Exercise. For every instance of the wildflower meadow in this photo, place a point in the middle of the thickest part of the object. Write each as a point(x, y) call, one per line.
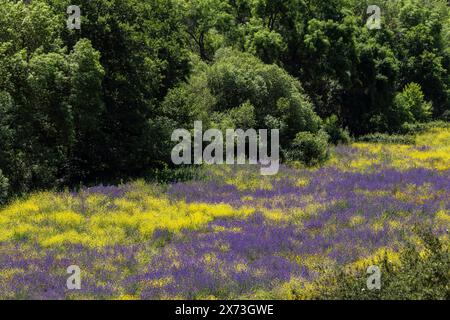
point(193, 153)
point(231, 233)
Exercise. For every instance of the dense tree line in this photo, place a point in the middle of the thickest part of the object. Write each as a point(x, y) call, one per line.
point(99, 104)
point(345, 68)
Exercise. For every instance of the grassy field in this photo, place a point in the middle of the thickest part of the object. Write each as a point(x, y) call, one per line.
point(232, 234)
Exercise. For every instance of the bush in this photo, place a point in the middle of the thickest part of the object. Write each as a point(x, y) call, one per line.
point(387, 138)
point(411, 102)
point(238, 78)
point(239, 91)
point(421, 274)
point(308, 148)
point(446, 115)
point(175, 175)
point(242, 117)
point(416, 128)
point(335, 132)
point(3, 188)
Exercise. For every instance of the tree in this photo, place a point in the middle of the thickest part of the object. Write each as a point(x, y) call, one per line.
point(266, 45)
point(143, 54)
point(368, 102)
point(276, 13)
point(86, 100)
point(36, 84)
point(423, 50)
point(411, 102)
point(6, 136)
point(3, 188)
point(201, 18)
point(238, 81)
point(329, 52)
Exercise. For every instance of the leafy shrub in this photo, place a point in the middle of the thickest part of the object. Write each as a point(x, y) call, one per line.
point(416, 128)
point(446, 115)
point(310, 149)
point(236, 78)
point(266, 44)
point(239, 90)
point(335, 132)
point(411, 102)
point(242, 117)
point(421, 274)
point(388, 138)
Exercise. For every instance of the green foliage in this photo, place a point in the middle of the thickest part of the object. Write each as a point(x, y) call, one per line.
point(310, 149)
point(3, 188)
point(81, 105)
point(203, 20)
point(368, 105)
point(335, 132)
point(143, 53)
point(416, 128)
point(6, 132)
point(349, 70)
point(238, 89)
point(236, 78)
point(423, 274)
point(330, 50)
point(411, 103)
point(354, 72)
point(166, 175)
point(424, 50)
point(266, 44)
point(190, 101)
point(88, 109)
point(446, 115)
point(36, 81)
point(242, 117)
point(388, 138)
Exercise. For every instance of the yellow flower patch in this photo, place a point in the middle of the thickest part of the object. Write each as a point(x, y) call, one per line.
point(97, 221)
point(432, 151)
point(356, 221)
point(377, 258)
point(443, 217)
